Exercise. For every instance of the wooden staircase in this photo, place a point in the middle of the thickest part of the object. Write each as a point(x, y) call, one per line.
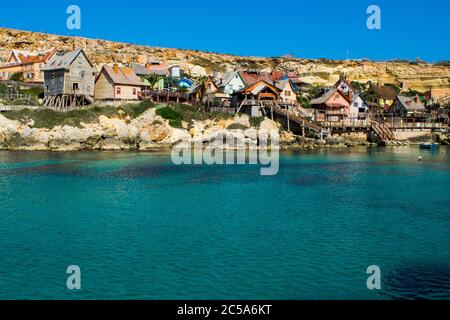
point(382, 131)
point(304, 122)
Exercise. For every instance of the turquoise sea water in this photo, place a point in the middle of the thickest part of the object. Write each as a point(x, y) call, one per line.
point(142, 228)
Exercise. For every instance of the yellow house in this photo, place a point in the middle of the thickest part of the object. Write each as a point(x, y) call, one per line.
point(29, 64)
point(380, 97)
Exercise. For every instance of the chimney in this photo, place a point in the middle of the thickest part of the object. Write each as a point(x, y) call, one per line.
point(116, 68)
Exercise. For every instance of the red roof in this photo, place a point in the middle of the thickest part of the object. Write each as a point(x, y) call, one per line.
point(252, 77)
point(36, 58)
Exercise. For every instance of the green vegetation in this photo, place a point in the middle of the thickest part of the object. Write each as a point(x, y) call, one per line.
point(18, 76)
point(393, 85)
point(2, 89)
point(359, 86)
point(237, 126)
point(47, 118)
point(256, 121)
point(173, 116)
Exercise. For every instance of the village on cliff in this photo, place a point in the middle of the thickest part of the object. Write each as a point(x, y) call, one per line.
point(69, 81)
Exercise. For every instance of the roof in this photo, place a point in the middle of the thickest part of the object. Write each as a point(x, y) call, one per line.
point(326, 96)
point(253, 77)
point(195, 87)
point(256, 87)
point(39, 58)
point(23, 57)
point(410, 104)
point(63, 61)
point(151, 69)
point(124, 76)
point(226, 78)
point(384, 91)
point(185, 80)
point(281, 84)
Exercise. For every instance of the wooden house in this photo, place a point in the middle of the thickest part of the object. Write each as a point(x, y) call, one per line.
point(230, 82)
point(288, 94)
point(345, 87)
point(30, 65)
point(407, 107)
point(69, 80)
point(380, 97)
point(358, 109)
point(333, 106)
point(115, 83)
point(185, 83)
point(154, 70)
point(200, 91)
point(255, 97)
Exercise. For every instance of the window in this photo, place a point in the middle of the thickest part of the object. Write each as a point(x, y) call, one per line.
point(134, 91)
point(75, 86)
point(82, 74)
point(287, 93)
point(356, 104)
point(48, 87)
point(118, 90)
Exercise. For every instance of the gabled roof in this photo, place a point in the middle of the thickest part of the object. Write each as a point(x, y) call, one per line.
point(281, 84)
point(226, 78)
point(63, 61)
point(386, 92)
point(185, 80)
point(153, 69)
point(256, 87)
point(252, 77)
point(123, 76)
point(326, 96)
point(410, 104)
point(23, 57)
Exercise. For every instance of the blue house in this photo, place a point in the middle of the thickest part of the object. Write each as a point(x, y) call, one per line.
point(185, 83)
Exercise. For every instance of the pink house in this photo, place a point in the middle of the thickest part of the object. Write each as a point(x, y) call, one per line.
point(333, 106)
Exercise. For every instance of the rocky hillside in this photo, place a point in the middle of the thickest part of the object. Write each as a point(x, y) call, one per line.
point(417, 76)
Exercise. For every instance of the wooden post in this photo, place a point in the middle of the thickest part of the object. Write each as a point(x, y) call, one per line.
point(288, 124)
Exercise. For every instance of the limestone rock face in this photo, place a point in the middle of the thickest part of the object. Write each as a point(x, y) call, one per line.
point(417, 76)
point(269, 125)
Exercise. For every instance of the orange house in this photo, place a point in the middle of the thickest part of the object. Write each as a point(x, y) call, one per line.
point(29, 64)
point(253, 98)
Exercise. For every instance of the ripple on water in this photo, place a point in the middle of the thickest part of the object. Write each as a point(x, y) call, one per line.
point(430, 281)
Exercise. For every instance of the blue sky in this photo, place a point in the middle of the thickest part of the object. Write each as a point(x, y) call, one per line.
point(306, 29)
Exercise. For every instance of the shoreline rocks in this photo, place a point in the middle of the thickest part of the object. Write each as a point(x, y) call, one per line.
point(150, 132)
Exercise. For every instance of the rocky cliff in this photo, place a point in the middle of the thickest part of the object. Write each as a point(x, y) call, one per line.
point(417, 76)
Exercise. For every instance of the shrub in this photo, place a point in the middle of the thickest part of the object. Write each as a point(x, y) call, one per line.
point(18, 76)
point(48, 118)
point(237, 126)
point(256, 121)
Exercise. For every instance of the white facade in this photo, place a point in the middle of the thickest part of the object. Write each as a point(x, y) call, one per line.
point(358, 110)
point(235, 84)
